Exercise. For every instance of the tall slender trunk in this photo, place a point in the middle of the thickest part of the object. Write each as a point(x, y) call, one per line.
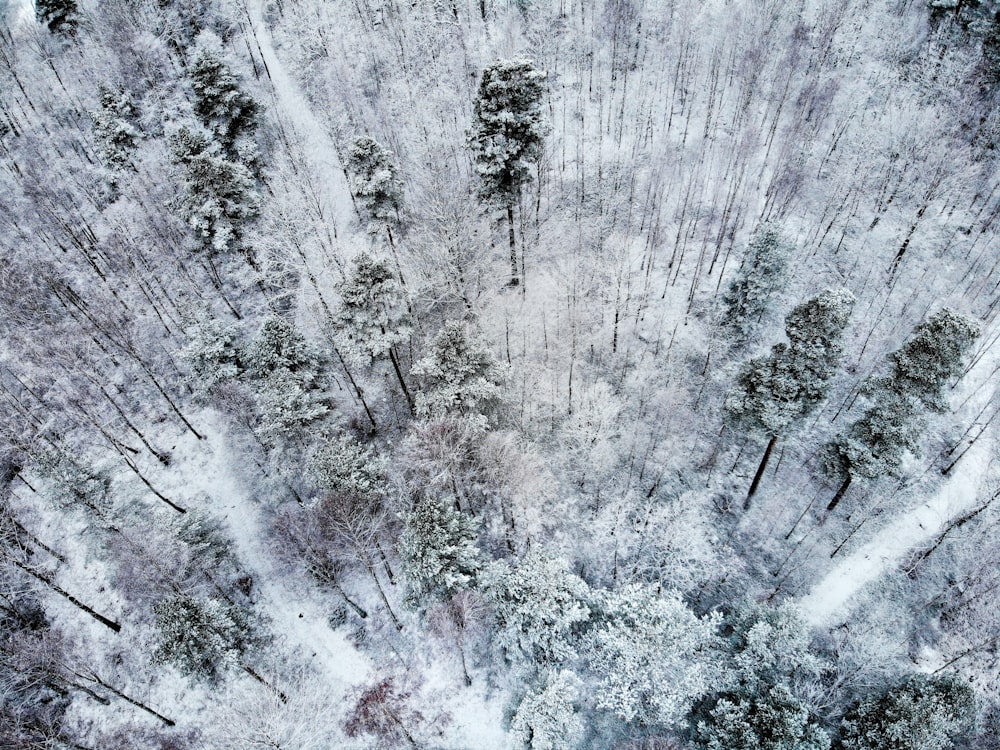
point(399, 376)
point(47, 580)
point(514, 278)
point(93, 677)
point(840, 494)
point(760, 471)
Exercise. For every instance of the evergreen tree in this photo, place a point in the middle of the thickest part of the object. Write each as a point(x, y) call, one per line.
point(213, 354)
point(73, 483)
point(507, 135)
point(652, 655)
point(219, 101)
point(769, 720)
point(773, 392)
point(875, 444)
point(372, 317)
point(920, 713)
point(60, 16)
point(540, 606)
point(219, 195)
point(200, 636)
point(344, 466)
point(547, 719)
point(375, 183)
point(761, 274)
point(115, 129)
point(438, 548)
point(461, 375)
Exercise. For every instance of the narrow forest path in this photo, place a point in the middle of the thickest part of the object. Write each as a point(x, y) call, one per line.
point(326, 178)
point(913, 528)
point(207, 471)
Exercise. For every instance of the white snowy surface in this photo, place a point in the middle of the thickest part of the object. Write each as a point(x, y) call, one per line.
point(834, 595)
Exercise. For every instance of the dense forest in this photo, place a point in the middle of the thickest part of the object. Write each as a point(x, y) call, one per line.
point(501, 374)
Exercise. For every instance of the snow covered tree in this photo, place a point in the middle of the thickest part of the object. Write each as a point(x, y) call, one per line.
point(438, 549)
point(372, 317)
point(461, 376)
point(219, 101)
point(116, 129)
point(651, 654)
point(771, 393)
point(770, 645)
point(540, 606)
point(219, 195)
point(213, 354)
point(548, 719)
point(772, 719)
point(760, 276)
point(343, 465)
point(383, 710)
point(73, 483)
point(875, 444)
point(60, 16)
point(376, 184)
point(507, 135)
point(200, 636)
point(920, 713)
point(288, 378)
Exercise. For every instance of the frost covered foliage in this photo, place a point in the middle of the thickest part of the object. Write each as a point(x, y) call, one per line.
point(116, 129)
point(372, 317)
point(920, 713)
point(652, 655)
point(547, 719)
point(508, 130)
point(540, 607)
point(200, 636)
point(343, 465)
point(213, 355)
point(219, 101)
point(375, 183)
point(460, 375)
point(75, 484)
point(438, 548)
point(60, 16)
point(760, 276)
point(771, 392)
point(218, 195)
point(769, 720)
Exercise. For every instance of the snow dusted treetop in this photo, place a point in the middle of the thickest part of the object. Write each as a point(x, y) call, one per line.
point(115, 129)
point(375, 183)
point(344, 466)
point(507, 132)
point(547, 719)
point(760, 276)
point(652, 654)
point(372, 314)
point(462, 377)
point(59, 15)
point(933, 357)
point(438, 548)
point(219, 101)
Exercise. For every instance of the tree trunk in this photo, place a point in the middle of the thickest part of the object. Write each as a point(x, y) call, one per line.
point(760, 471)
point(399, 375)
point(840, 494)
point(514, 279)
point(66, 595)
point(129, 699)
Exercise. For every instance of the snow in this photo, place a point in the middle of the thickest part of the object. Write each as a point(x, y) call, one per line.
point(834, 595)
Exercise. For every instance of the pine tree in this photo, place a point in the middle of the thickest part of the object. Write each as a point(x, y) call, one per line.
point(548, 719)
point(920, 713)
point(651, 654)
point(214, 354)
point(507, 136)
point(438, 549)
point(539, 607)
point(60, 16)
point(375, 183)
point(769, 720)
point(876, 443)
point(761, 274)
point(344, 466)
point(372, 317)
point(116, 129)
point(219, 101)
point(773, 392)
point(461, 376)
point(202, 637)
point(219, 195)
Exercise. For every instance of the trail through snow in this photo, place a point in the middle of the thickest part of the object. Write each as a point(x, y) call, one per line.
point(833, 596)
